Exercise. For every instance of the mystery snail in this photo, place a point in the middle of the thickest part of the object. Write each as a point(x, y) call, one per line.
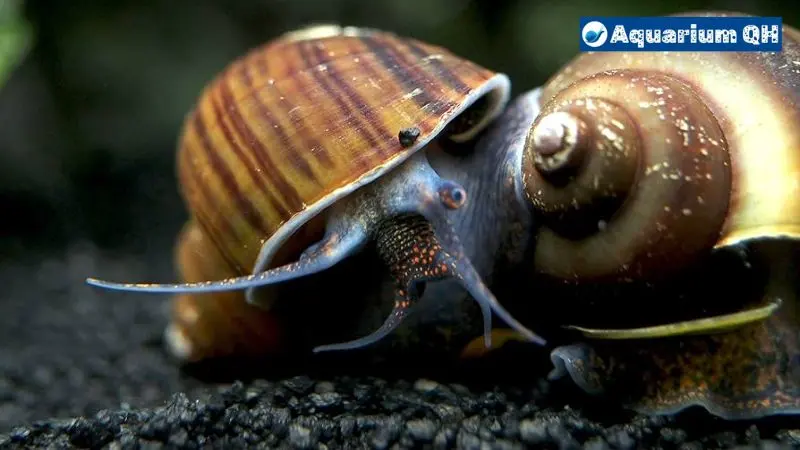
point(623, 178)
point(322, 129)
point(664, 188)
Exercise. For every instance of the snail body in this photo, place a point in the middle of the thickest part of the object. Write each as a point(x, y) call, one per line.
point(623, 169)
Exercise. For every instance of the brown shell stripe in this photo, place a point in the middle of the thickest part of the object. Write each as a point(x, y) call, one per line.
point(205, 224)
point(375, 71)
point(381, 58)
point(349, 104)
point(291, 79)
point(198, 193)
point(258, 64)
point(229, 187)
point(243, 132)
point(387, 56)
point(413, 69)
point(304, 129)
point(411, 74)
point(286, 62)
point(261, 154)
point(416, 54)
point(225, 175)
point(442, 72)
point(266, 116)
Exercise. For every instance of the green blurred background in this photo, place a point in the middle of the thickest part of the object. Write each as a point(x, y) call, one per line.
point(94, 92)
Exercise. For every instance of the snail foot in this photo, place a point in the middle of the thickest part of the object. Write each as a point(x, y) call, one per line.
point(399, 312)
point(745, 373)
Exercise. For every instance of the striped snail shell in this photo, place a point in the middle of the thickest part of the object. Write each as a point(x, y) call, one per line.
point(299, 154)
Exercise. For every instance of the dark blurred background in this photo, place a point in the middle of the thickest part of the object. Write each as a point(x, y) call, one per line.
point(90, 115)
point(92, 97)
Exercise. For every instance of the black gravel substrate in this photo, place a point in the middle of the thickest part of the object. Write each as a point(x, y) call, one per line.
point(82, 369)
point(369, 413)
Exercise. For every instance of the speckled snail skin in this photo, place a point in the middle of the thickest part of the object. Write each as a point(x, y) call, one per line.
point(624, 169)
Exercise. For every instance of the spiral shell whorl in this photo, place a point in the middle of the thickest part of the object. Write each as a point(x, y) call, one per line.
point(755, 97)
point(219, 324)
point(651, 185)
point(586, 148)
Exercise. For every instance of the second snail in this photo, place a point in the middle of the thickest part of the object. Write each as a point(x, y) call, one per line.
point(649, 203)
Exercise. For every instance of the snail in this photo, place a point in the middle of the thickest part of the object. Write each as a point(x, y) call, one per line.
point(665, 189)
point(625, 171)
point(303, 152)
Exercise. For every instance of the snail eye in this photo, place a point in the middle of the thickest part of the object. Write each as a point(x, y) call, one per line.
point(452, 195)
point(457, 196)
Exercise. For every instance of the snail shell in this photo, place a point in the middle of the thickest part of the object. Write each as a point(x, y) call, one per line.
point(205, 326)
point(294, 126)
point(639, 162)
point(639, 166)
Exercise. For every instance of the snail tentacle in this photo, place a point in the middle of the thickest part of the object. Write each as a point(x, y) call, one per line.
point(424, 249)
point(460, 267)
point(399, 312)
point(447, 249)
point(419, 245)
point(321, 256)
point(405, 244)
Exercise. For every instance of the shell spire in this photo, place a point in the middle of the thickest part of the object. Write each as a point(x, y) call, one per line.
point(629, 161)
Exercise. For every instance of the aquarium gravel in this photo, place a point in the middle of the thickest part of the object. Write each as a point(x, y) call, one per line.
point(82, 369)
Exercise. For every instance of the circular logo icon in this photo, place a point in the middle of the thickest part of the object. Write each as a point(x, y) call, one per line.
point(594, 34)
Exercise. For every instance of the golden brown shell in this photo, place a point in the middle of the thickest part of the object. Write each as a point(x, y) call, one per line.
point(214, 324)
point(293, 126)
point(297, 121)
point(715, 121)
